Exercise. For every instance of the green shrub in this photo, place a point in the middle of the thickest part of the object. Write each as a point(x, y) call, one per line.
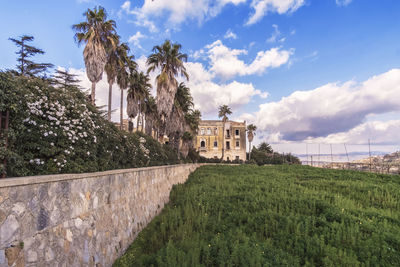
point(55, 130)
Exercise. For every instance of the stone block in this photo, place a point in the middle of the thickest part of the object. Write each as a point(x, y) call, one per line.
point(12, 255)
point(8, 230)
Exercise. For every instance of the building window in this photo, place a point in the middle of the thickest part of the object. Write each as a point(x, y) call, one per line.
point(236, 132)
point(227, 134)
point(237, 144)
point(237, 158)
point(203, 143)
point(216, 131)
point(209, 131)
point(202, 131)
point(215, 144)
point(228, 145)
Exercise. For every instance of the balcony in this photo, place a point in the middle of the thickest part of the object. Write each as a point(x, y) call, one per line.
point(202, 149)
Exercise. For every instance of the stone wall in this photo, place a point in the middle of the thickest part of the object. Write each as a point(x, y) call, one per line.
point(80, 219)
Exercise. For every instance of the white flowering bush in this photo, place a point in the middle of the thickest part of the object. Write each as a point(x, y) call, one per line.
point(55, 130)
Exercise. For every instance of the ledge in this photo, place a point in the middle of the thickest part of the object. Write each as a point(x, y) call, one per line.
point(40, 179)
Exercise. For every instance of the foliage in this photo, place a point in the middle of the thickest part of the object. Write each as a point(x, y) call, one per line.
point(264, 154)
point(169, 60)
point(64, 78)
point(265, 147)
point(98, 34)
point(251, 132)
point(274, 216)
point(223, 112)
point(25, 65)
point(54, 130)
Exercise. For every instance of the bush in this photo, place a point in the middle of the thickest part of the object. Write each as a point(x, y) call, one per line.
point(55, 130)
point(265, 155)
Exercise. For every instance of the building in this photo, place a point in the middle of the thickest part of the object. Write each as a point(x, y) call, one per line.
point(128, 125)
point(210, 138)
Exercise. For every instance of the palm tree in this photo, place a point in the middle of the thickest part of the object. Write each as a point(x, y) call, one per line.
point(169, 60)
point(224, 110)
point(151, 115)
point(251, 132)
point(176, 122)
point(192, 120)
point(111, 69)
point(98, 33)
point(139, 91)
point(126, 67)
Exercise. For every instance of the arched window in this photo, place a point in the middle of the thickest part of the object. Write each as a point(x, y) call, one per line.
point(203, 144)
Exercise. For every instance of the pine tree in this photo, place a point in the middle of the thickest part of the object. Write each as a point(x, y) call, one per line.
point(65, 78)
point(25, 52)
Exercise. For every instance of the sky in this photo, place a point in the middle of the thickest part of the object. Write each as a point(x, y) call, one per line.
point(307, 73)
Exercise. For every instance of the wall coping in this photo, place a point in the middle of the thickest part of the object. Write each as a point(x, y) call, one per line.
point(41, 179)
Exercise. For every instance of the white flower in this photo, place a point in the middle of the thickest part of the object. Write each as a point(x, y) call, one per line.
point(52, 144)
point(88, 153)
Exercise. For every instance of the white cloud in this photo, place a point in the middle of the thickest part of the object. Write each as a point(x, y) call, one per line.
point(208, 95)
point(230, 34)
point(177, 11)
point(274, 35)
point(102, 92)
point(379, 132)
point(141, 18)
point(330, 110)
point(135, 39)
point(343, 2)
point(262, 7)
point(226, 64)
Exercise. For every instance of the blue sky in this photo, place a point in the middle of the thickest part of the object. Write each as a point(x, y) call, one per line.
point(302, 70)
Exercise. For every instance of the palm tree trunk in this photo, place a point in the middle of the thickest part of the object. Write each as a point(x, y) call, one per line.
point(121, 115)
point(142, 123)
point(223, 141)
point(137, 122)
point(249, 150)
point(93, 94)
point(109, 101)
point(138, 117)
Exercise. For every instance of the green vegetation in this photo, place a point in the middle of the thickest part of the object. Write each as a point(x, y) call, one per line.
point(53, 129)
point(287, 215)
point(264, 154)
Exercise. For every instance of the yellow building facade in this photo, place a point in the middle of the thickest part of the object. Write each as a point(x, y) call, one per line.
point(210, 139)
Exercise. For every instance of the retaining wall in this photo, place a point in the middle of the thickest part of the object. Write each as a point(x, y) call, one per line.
point(80, 219)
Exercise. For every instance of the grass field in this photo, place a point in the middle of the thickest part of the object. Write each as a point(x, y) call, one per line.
point(274, 216)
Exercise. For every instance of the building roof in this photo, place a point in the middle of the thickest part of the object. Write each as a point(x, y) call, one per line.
point(219, 122)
